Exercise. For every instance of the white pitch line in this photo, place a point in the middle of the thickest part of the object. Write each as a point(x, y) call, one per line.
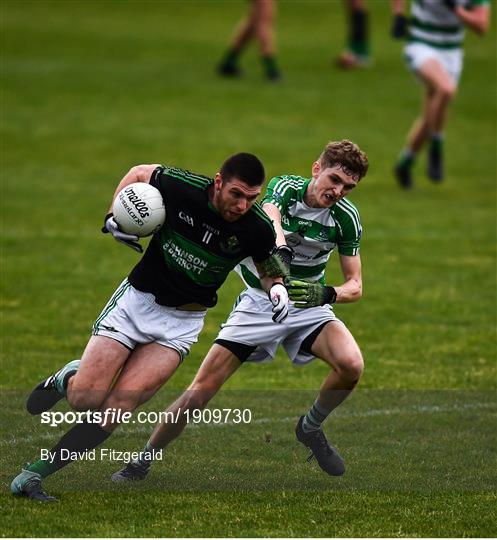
point(146, 429)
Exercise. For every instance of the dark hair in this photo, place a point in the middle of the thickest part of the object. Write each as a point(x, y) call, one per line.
point(245, 167)
point(347, 155)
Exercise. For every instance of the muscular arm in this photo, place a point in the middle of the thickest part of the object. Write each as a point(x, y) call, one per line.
point(351, 289)
point(138, 173)
point(478, 18)
point(273, 212)
point(275, 216)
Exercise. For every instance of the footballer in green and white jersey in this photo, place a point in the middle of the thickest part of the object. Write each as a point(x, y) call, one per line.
point(435, 56)
point(435, 24)
point(312, 233)
point(436, 32)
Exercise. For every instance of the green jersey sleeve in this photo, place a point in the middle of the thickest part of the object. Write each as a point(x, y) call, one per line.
point(349, 228)
point(283, 191)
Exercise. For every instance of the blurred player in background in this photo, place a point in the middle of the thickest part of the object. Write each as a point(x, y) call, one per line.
point(257, 25)
point(311, 217)
point(157, 313)
point(357, 51)
point(434, 54)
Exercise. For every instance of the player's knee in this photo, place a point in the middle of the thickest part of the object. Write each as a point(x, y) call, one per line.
point(81, 400)
point(447, 91)
point(353, 367)
point(123, 402)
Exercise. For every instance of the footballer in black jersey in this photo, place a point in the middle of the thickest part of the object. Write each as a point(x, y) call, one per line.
point(190, 257)
point(149, 324)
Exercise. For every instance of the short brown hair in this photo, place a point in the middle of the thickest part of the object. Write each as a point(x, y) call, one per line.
point(246, 167)
point(347, 155)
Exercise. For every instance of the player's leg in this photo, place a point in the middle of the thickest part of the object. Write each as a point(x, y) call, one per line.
point(245, 31)
point(101, 361)
point(264, 16)
point(77, 382)
point(442, 88)
point(147, 369)
point(337, 347)
point(357, 52)
point(416, 138)
point(219, 364)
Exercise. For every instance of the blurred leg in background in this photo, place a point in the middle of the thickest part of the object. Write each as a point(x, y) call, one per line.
point(259, 25)
point(357, 51)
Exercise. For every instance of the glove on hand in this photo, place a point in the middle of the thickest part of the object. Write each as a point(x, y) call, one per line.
point(285, 253)
point(308, 294)
point(279, 298)
point(399, 26)
point(110, 226)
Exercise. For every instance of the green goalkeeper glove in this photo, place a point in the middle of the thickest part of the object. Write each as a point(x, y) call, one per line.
point(308, 294)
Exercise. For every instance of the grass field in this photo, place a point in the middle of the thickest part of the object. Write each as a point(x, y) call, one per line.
point(91, 88)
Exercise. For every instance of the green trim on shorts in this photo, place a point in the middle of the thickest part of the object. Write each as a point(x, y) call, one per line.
point(111, 304)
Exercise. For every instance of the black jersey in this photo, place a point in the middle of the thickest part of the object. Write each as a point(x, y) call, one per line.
point(190, 257)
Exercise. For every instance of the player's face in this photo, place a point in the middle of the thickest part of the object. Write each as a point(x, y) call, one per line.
point(233, 198)
point(329, 185)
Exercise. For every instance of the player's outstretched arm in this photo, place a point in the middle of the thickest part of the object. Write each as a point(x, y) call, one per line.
point(351, 289)
point(478, 18)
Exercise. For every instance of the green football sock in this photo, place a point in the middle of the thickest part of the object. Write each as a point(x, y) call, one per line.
point(406, 158)
point(146, 456)
point(231, 57)
point(315, 416)
point(358, 41)
point(42, 467)
point(437, 141)
point(270, 65)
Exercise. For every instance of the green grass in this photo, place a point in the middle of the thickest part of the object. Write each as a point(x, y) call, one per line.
point(91, 88)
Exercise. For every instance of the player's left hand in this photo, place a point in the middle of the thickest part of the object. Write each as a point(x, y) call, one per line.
point(279, 299)
point(308, 294)
point(130, 240)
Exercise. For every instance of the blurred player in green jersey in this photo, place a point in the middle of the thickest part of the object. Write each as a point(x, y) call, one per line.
point(434, 54)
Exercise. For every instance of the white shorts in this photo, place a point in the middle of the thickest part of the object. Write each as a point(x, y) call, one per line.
point(250, 323)
point(416, 54)
point(133, 317)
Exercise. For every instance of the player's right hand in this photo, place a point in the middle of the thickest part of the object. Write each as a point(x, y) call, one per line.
point(308, 294)
point(399, 26)
point(130, 240)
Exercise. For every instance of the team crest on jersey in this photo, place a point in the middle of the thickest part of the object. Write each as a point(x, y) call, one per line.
point(293, 240)
point(230, 246)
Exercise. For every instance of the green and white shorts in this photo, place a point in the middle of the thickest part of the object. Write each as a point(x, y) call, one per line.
point(133, 317)
point(416, 54)
point(250, 323)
